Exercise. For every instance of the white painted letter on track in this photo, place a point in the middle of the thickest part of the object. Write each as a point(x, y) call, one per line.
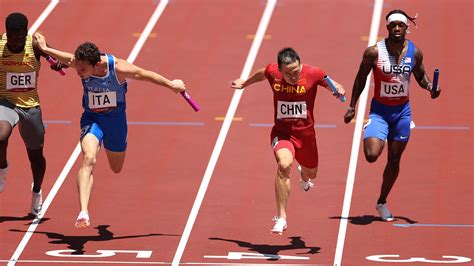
point(397, 259)
point(141, 254)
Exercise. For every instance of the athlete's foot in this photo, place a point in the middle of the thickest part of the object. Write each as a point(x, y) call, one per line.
point(36, 203)
point(305, 186)
point(83, 220)
point(280, 225)
point(385, 214)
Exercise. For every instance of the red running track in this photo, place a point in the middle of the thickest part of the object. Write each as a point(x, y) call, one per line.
point(205, 43)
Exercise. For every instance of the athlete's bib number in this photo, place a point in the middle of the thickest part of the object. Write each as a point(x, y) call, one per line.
point(21, 81)
point(291, 110)
point(102, 99)
point(394, 89)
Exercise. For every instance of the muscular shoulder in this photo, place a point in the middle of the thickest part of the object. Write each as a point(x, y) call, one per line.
point(271, 68)
point(315, 73)
point(371, 53)
point(121, 65)
point(418, 55)
point(271, 71)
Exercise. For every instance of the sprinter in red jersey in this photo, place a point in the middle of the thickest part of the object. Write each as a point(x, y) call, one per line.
point(294, 86)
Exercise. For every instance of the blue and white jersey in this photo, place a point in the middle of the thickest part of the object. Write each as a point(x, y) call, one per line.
point(104, 94)
point(392, 78)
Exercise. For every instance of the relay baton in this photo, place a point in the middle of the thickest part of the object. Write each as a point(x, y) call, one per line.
point(53, 61)
point(342, 98)
point(190, 100)
point(435, 80)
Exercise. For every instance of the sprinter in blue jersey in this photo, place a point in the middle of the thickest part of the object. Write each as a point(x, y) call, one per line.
point(104, 120)
point(392, 60)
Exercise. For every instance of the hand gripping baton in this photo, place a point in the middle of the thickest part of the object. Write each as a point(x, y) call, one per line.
point(342, 98)
point(53, 61)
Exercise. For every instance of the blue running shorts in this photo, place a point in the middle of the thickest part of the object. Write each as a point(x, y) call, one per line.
point(111, 128)
point(388, 122)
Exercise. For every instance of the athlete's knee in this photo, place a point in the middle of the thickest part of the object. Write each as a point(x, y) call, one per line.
point(5, 131)
point(371, 156)
point(394, 161)
point(36, 156)
point(89, 159)
point(284, 168)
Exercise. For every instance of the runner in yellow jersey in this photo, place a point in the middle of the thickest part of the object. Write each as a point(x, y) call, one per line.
point(19, 101)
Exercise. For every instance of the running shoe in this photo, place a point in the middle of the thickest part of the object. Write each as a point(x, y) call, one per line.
point(304, 185)
point(385, 214)
point(280, 225)
point(36, 203)
point(83, 220)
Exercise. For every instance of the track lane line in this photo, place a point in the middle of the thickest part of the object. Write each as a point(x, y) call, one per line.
point(77, 150)
point(43, 16)
point(374, 29)
point(262, 27)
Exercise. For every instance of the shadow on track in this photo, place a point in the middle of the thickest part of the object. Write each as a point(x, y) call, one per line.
point(77, 243)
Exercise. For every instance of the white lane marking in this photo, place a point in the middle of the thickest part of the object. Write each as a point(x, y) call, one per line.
point(374, 28)
point(43, 16)
point(262, 27)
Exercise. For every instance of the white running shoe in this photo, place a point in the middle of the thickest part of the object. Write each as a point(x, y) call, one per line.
point(280, 225)
point(82, 220)
point(3, 176)
point(385, 214)
point(305, 185)
point(36, 203)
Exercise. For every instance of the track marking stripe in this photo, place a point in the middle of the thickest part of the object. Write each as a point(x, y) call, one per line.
point(374, 28)
point(262, 27)
point(43, 16)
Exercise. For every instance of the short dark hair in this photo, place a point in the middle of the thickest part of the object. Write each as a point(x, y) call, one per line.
point(401, 12)
point(287, 56)
point(88, 52)
point(16, 22)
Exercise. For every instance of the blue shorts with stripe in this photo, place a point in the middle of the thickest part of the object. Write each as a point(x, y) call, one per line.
point(388, 122)
point(111, 128)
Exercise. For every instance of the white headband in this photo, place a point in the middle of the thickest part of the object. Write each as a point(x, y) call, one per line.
point(397, 17)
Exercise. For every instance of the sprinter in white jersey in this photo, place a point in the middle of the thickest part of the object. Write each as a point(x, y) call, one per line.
point(104, 82)
point(393, 60)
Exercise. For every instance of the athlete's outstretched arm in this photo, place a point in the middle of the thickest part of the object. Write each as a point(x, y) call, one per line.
point(63, 57)
point(258, 76)
point(421, 77)
point(368, 61)
point(126, 70)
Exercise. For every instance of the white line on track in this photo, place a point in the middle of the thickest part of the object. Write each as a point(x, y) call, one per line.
point(43, 16)
point(77, 150)
point(102, 262)
point(262, 27)
point(374, 29)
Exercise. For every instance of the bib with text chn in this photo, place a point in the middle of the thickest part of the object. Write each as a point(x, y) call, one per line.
point(291, 110)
